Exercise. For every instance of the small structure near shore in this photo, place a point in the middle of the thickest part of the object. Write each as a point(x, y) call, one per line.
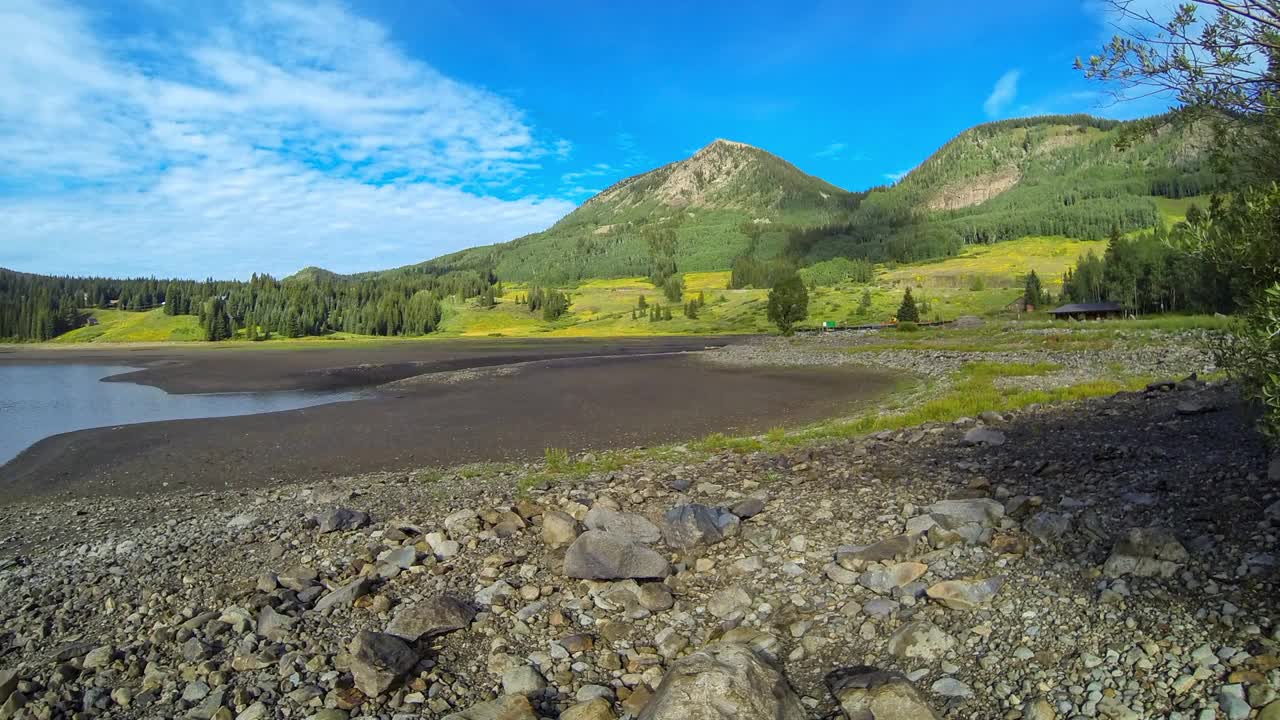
point(1086, 311)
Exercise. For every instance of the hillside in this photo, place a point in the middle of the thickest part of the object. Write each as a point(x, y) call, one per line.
point(704, 200)
point(1074, 176)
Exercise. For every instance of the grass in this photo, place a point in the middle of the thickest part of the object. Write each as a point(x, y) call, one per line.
point(1000, 266)
point(125, 326)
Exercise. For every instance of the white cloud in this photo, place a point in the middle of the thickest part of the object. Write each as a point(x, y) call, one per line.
point(286, 135)
point(896, 176)
point(1002, 94)
point(832, 150)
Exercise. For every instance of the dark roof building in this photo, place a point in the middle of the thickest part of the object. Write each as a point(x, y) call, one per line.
point(1087, 310)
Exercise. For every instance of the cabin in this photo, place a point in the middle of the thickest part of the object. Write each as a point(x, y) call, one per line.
point(1088, 311)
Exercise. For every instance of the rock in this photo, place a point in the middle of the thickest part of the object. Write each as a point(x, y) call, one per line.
point(1273, 471)
point(341, 519)
point(990, 417)
point(256, 711)
point(951, 687)
point(1196, 406)
point(601, 555)
point(966, 594)
point(1039, 709)
point(982, 511)
point(559, 529)
point(1232, 702)
point(378, 660)
point(99, 657)
point(747, 508)
point(728, 602)
point(689, 526)
point(507, 707)
point(495, 594)
point(982, 435)
point(867, 693)
point(243, 521)
point(345, 595)
point(597, 709)
point(1048, 526)
point(920, 640)
point(8, 683)
point(272, 625)
point(522, 680)
point(630, 525)
point(435, 616)
point(1147, 552)
point(724, 680)
point(1271, 711)
point(884, 579)
point(852, 557)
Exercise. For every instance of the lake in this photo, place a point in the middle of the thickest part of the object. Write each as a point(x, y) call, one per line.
point(38, 401)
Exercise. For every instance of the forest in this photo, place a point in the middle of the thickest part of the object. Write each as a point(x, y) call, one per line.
point(36, 307)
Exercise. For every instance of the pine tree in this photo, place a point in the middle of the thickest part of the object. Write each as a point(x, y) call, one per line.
point(907, 312)
point(788, 303)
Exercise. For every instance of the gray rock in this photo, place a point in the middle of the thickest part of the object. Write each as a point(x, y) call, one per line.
point(256, 711)
point(728, 602)
point(867, 693)
point(966, 594)
point(345, 595)
point(982, 435)
point(8, 683)
point(724, 680)
point(1232, 702)
point(982, 511)
point(559, 529)
point(243, 521)
point(630, 525)
point(1048, 526)
point(522, 680)
point(689, 526)
point(378, 660)
point(1273, 471)
point(852, 557)
point(209, 707)
point(1147, 552)
point(495, 594)
point(920, 640)
point(951, 687)
point(507, 707)
point(748, 508)
point(341, 519)
point(1196, 406)
point(884, 579)
point(272, 625)
point(435, 616)
point(600, 555)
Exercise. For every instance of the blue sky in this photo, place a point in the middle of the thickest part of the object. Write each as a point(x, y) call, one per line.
point(222, 138)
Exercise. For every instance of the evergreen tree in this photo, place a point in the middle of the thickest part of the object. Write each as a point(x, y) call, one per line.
point(1033, 293)
point(907, 312)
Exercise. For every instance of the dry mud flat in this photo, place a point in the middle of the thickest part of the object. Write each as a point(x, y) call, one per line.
point(1108, 559)
point(506, 405)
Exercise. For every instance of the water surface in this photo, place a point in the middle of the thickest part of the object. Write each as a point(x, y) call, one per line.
point(37, 401)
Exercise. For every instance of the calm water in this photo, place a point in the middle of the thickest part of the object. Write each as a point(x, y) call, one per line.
point(37, 401)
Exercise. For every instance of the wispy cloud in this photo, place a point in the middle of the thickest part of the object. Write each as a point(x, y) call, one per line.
point(896, 176)
point(832, 150)
point(1003, 94)
point(285, 135)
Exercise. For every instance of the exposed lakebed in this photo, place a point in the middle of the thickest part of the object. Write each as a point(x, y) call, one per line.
point(414, 409)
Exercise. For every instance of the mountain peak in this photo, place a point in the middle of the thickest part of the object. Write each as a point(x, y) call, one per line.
point(720, 143)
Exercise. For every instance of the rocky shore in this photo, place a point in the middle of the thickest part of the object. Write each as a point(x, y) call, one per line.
point(1115, 558)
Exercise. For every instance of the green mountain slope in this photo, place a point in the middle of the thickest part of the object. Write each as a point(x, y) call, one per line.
point(1074, 175)
point(705, 200)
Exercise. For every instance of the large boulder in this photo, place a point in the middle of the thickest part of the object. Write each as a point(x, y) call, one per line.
point(435, 616)
point(340, 519)
point(965, 594)
point(688, 526)
point(634, 526)
point(378, 660)
point(852, 557)
point(867, 693)
point(983, 435)
point(507, 707)
point(602, 555)
point(724, 680)
point(1147, 552)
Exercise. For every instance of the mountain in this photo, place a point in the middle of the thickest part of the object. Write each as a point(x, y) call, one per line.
point(704, 200)
point(1072, 175)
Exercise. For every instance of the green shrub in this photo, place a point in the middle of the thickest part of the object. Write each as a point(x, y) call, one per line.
point(908, 327)
point(557, 459)
point(1251, 355)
